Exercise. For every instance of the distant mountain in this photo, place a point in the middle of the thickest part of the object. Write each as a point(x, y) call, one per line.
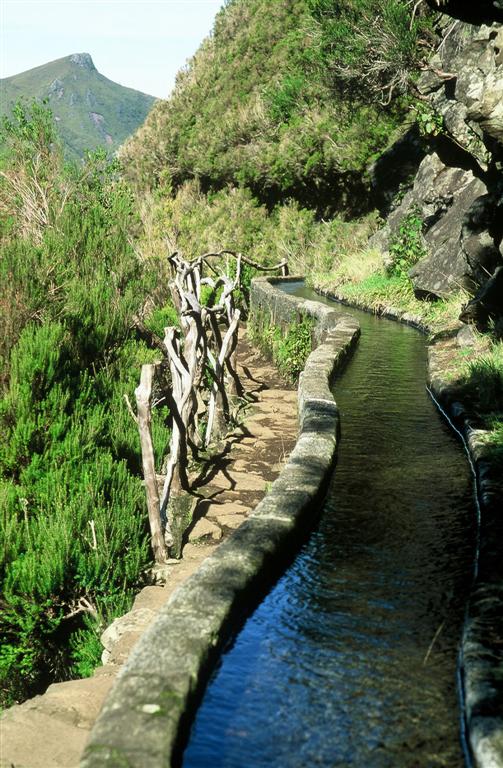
point(90, 110)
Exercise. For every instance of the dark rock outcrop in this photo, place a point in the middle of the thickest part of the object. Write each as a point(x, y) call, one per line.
point(472, 11)
point(458, 189)
point(487, 304)
point(395, 168)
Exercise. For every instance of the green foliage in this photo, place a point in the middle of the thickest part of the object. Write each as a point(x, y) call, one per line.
point(407, 245)
point(72, 508)
point(210, 296)
point(430, 123)
point(161, 318)
point(370, 47)
point(292, 351)
point(86, 650)
point(289, 347)
point(30, 127)
point(232, 218)
point(261, 106)
point(482, 387)
point(284, 99)
point(362, 279)
point(485, 381)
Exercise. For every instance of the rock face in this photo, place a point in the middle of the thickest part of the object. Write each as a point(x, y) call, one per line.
point(83, 60)
point(487, 304)
point(458, 189)
point(395, 167)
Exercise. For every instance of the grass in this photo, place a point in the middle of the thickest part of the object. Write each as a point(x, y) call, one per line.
point(361, 278)
point(288, 347)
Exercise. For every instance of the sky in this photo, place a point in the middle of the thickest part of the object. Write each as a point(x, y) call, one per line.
point(138, 44)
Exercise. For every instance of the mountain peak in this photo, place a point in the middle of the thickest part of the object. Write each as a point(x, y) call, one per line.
point(90, 110)
point(83, 60)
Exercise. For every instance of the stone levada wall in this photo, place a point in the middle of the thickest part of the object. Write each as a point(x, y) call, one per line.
point(481, 651)
point(146, 717)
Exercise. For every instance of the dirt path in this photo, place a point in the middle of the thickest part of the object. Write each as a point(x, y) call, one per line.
point(50, 731)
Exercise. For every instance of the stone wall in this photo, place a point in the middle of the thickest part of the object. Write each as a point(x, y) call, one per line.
point(481, 652)
point(145, 719)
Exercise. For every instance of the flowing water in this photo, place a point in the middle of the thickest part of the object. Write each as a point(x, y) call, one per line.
point(351, 658)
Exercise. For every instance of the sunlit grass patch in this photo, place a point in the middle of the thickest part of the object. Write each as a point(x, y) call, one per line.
point(362, 277)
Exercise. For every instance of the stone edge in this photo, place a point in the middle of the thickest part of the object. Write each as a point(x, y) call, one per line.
point(481, 648)
point(145, 718)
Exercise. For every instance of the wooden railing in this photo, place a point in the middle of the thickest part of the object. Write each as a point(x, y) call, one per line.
point(201, 358)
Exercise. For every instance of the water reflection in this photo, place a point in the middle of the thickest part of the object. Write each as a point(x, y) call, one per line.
point(350, 660)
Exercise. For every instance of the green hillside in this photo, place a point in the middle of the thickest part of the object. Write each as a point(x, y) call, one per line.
point(90, 110)
point(290, 99)
point(267, 142)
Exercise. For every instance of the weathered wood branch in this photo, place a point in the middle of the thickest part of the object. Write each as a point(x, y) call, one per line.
point(143, 394)
point(218, 384)
point(283, 265)
point(205, 342)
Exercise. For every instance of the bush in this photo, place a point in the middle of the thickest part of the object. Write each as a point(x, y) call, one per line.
point(371, 47)
point(73, 520)
point(407, 245)
point(289, 347)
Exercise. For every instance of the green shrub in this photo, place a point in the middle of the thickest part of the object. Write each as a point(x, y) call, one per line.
point(407, 245)
point(289, 347)
point(72, 509)
point(161, 318)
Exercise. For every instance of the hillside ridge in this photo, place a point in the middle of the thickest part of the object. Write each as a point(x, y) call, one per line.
point(89, 109)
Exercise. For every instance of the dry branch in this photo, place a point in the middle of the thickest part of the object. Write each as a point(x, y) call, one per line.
point(205, 342)
point(143, 394)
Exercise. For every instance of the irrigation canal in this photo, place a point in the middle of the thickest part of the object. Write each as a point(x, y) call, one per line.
point(351, 659)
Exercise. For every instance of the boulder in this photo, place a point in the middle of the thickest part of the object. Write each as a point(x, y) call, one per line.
point(479, 229)
point(395, 168)
point(441, 195)
point(480, 81)
point(469, 90)
point(460, 247)
point(458, 189)
point(434, 191)
point(134, 621)
point(487, 304)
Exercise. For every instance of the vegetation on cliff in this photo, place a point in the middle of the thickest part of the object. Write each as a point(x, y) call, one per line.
point(285, 99)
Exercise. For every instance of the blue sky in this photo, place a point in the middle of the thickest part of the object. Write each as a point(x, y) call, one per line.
point(138, 44)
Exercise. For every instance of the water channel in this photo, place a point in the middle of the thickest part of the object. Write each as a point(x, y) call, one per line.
point(351, 659)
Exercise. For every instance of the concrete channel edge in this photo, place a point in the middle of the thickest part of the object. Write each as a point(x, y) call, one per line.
point(145, 719)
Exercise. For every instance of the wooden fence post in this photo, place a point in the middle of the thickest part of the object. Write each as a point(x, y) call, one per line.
point(143, 394)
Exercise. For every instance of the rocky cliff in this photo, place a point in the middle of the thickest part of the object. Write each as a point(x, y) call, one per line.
point(457, 190)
